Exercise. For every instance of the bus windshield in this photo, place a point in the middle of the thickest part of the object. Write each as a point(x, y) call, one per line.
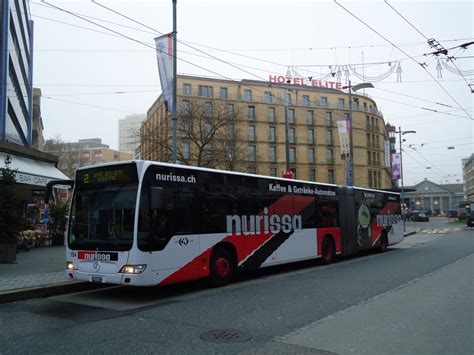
point(102, 218)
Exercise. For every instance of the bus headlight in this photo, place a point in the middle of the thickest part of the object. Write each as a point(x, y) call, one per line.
point(133, 269)
point(70, 265)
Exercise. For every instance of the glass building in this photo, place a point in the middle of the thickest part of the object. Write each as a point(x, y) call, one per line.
point(16, 72)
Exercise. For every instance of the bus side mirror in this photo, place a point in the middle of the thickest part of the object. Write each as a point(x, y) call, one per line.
point(156, 197)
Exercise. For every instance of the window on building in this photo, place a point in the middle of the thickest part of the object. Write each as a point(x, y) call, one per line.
point(273, 171)
point(329, 119)
point(208, 151)
point(368, 140)
point(251, 133)
point(310, 117)
point(340, 103)
point(272, 153)
point(306, 100)
point(252, 152)
point(323, 101)
point(271, 114)
point(251, 112)
point(370, 179)
point(329, 139)
point(223, 93)
point(185, 150)
point(207, 130)
point(378, 142)
point(311, 136)
point(288, 98)
point(206, 91)
point(252, 169)
point(185, 107)
point(271, 134)
point(369, 158)
point(186, 129)
point(330, 176)
point(230, 110)
point(267, 97)
point(187, 89)
point(248, 95)
point(291, 135)
point(230, 131)
point(208, 109)
point(346, 116)
point(312, 175)
point(365, 106)
point(330, 156)
point(292, 152)
point(293, 172)
point(367, 122)
point(311, 156)
point(291, 116)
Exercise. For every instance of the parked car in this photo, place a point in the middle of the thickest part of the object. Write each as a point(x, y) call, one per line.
point(420, 217)
point(453, 213)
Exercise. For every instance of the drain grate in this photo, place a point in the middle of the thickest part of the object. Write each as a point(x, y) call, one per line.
point(225, 336)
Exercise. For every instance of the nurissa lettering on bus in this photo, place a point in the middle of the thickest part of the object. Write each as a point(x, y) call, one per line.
point(252, 224)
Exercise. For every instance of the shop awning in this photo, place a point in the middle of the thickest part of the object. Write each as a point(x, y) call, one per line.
point(32, 172)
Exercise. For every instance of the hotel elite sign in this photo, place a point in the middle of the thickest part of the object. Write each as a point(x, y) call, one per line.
point(284, 79)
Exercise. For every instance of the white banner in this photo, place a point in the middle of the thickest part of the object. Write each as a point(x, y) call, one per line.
point(342, 127)
point(164, 54)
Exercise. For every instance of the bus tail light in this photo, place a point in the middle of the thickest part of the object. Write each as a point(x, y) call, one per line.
point(70, 265)
point(133, 269)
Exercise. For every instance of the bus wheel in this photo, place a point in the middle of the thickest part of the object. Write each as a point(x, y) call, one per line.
point(383, 243)
point(328, 250)
point(222, 267)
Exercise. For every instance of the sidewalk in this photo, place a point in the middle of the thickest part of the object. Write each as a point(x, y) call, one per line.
point(40, 272)
point(36, 273)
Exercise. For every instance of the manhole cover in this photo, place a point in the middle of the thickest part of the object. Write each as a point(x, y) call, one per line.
point(225, 336)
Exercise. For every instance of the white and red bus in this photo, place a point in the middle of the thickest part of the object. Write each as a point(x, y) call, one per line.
point(147, 223)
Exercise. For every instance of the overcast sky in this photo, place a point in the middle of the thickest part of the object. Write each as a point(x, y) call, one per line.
point(91, 77)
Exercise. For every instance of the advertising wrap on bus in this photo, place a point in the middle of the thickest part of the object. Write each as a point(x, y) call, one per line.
point(146, 223)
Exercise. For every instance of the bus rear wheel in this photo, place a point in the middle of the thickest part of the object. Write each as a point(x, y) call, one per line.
point(221, 267)
point(383, 243)
point(328, 250)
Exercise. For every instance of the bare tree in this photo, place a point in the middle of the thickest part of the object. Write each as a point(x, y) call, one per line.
point(57, 146)
point(207, 133)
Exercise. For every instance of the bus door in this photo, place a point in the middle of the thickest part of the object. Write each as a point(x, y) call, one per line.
point(348, 220)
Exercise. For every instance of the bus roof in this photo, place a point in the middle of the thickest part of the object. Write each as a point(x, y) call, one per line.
point(142, 164)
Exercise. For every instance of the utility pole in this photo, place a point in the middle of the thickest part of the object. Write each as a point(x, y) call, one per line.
point(350, 160)
point(175, 80)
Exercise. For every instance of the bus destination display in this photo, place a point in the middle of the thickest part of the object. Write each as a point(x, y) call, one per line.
point(107, 175)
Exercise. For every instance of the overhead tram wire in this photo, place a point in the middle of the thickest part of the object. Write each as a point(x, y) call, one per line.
point(130, 38)
point(428, 40)
point(404, 52)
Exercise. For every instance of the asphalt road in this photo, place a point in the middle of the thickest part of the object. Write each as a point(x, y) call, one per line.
point(416, 298)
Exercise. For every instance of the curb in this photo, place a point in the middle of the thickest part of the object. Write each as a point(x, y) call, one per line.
point(47, 290)
point(409, 233)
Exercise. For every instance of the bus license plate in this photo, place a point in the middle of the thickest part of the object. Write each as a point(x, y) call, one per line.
point(96, 279)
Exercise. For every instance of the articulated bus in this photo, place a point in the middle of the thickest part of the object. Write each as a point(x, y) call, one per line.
point(147, 223)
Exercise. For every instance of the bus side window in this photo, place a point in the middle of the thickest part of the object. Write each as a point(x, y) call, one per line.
point(327, 214)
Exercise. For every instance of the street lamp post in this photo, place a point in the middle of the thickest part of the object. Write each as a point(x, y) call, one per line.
point(350, 160)
point(400, 134)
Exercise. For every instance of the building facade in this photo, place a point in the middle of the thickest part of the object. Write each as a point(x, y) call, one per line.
point(21, 126)
point(129, 133)
point(468, 177)
point(37, 138)
point(256, 111)
point(16, 72)
point(435, 197)
point(82, 153)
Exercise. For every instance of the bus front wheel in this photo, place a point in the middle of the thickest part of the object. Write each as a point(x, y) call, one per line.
point(222, 267)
